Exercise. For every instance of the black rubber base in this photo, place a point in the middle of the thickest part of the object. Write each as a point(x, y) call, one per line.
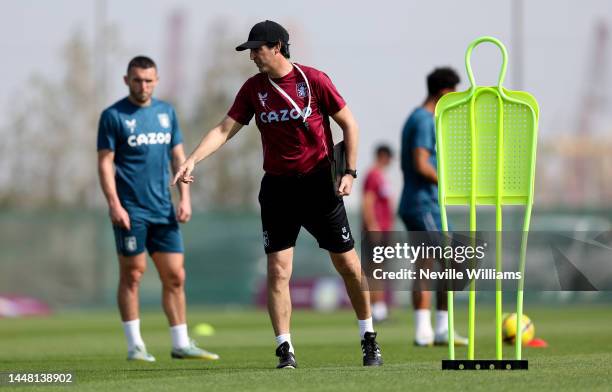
point(485, 364)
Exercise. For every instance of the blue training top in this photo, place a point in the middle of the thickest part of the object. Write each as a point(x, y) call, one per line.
point(419, 195)
point(142, 139)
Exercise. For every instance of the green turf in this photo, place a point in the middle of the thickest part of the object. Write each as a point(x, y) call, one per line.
point(91, 345)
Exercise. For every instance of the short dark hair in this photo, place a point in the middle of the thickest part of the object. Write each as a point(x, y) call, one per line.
point(141, 62)
point(440, 79)
point(284, 48)
point(384, 149)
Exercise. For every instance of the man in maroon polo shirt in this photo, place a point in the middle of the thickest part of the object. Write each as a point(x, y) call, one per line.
point(292, 104)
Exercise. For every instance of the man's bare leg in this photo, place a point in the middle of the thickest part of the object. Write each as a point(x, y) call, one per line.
point(170, 267)
point(131, 269)
point(280, 266)
point(348, 266)
point(171, 270)
point(421, 299)
point(421, 302)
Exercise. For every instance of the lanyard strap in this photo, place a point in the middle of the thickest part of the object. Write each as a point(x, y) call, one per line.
point(307, 110)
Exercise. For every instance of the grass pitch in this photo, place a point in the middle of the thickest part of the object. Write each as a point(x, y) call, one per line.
point(91, 345)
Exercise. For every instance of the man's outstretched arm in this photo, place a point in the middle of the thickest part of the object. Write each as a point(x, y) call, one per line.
point(183, 211)
point(210, 143)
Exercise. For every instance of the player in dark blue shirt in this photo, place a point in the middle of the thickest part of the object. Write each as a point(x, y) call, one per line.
point(139, 139)
point(419, 209)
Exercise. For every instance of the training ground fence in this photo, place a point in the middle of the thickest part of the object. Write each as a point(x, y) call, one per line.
point(67, 258)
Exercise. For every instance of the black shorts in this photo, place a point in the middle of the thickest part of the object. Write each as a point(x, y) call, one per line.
point(288, 203)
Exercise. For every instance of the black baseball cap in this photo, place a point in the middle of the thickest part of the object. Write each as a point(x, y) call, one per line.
point(264, 32)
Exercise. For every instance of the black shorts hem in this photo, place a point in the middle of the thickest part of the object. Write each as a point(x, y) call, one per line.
point(339, 249)
point(280, 248)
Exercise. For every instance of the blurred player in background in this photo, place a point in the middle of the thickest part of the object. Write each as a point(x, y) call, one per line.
point(377, 215)
point(292, 104)
point(138, 140)
point(418, 207)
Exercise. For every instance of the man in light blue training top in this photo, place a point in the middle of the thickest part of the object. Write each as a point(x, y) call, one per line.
point(419, 208)
point(138, 140)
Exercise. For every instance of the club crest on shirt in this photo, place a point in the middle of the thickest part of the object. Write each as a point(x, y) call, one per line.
point(131, 124)
point(262, 98)
point(302, 90)
point(164, 120)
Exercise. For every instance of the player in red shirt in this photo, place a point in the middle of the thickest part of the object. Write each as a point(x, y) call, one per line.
point(292, 104)
point(377, 214)
point(377, 201)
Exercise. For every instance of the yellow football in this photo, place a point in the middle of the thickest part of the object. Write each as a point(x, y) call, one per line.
point(204, 329)
point(509, 329)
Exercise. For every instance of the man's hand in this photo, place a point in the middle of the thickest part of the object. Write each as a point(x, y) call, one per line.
point(120, 217)
point(183, 174)
point(346, 184)
point(184, 211)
